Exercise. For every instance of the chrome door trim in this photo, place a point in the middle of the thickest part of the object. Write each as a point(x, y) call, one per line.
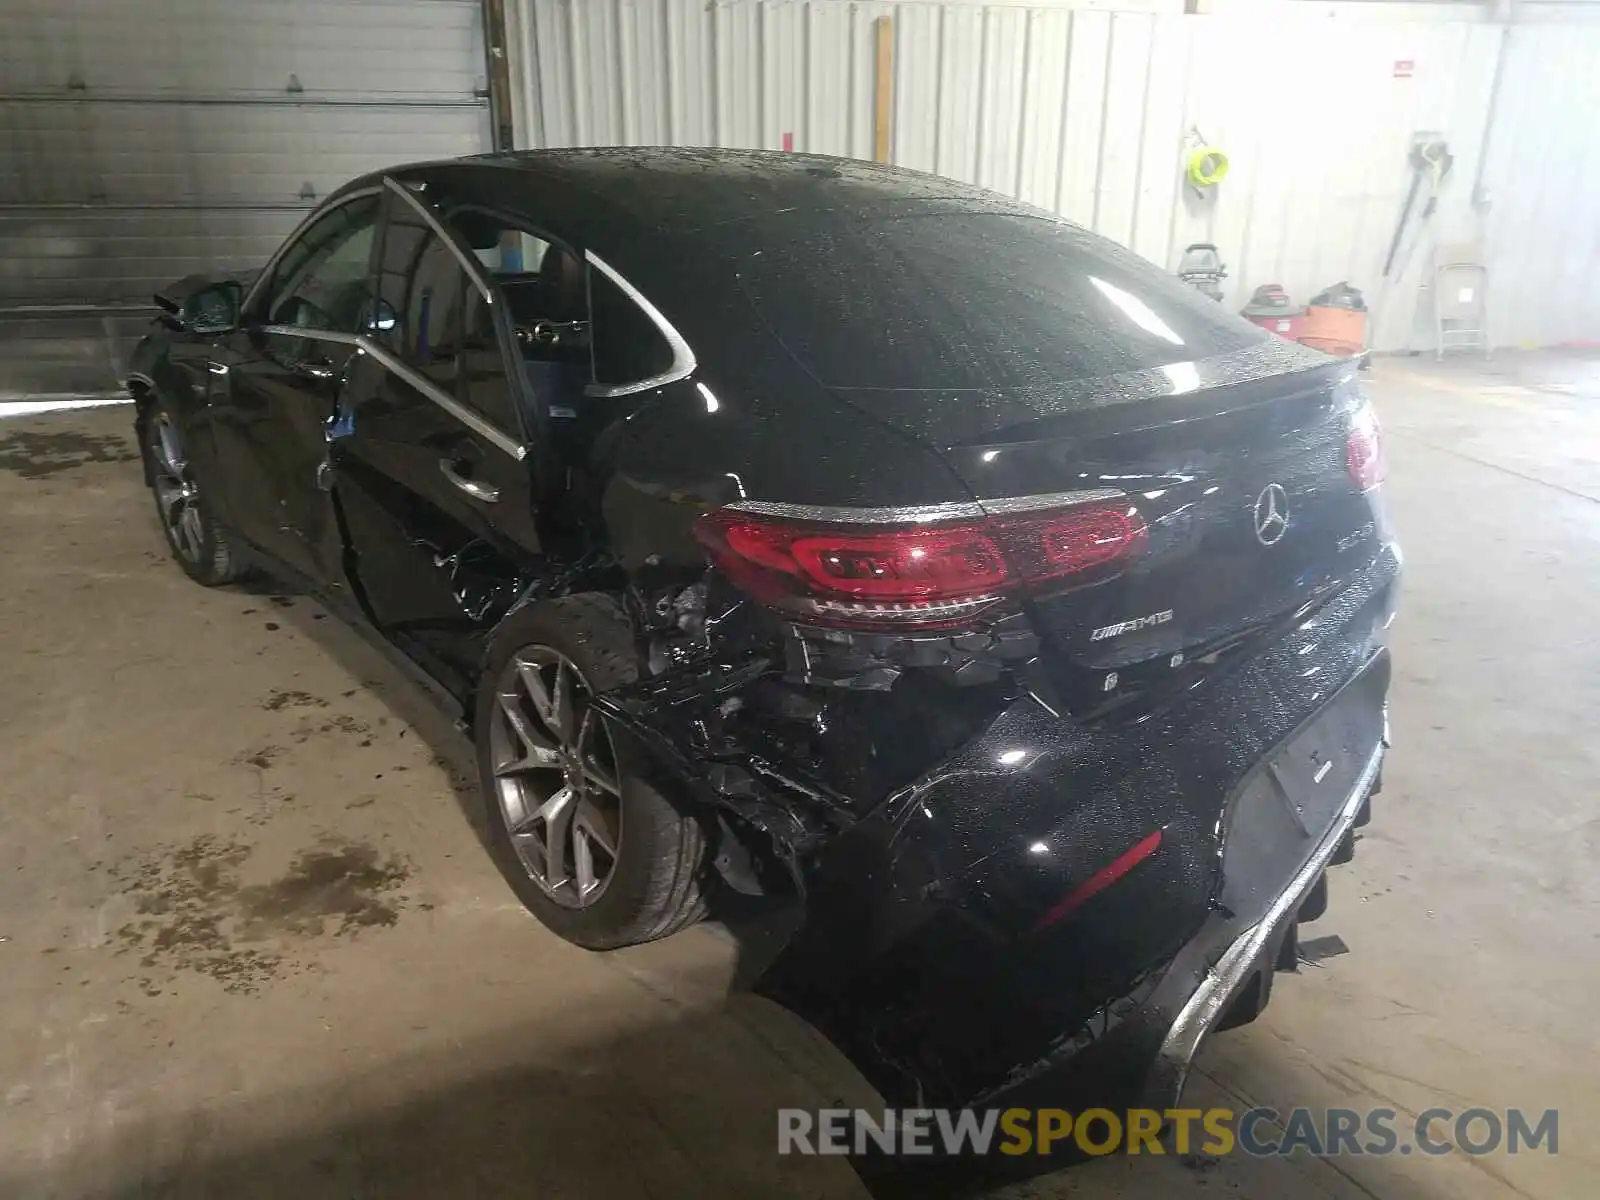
point(476, 488)
point(313, 335)
point(313, 216)
point(683, 360)
point(470, 265)
point(495, 437)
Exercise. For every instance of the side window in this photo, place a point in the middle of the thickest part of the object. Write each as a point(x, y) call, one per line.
point(514, 252)
point(323, 281)
point(405, 240)
point(422, 290)
point(430, 325)
point(574, 325)
point(628, 345)
point(539, 280)
point(433, 317)
point(485, 386)
point(543, 289)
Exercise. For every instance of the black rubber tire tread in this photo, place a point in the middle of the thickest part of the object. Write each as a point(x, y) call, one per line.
point(656, 886)
point(221, 563)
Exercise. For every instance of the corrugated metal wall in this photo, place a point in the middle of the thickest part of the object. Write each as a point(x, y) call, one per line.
point(1543, 177)
point(1088, 112)
point(146, 139)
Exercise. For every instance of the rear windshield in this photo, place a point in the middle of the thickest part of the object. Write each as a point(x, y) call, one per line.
point(975, 300)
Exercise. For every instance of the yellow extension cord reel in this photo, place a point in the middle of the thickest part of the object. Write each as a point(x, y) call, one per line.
point(1207, 167)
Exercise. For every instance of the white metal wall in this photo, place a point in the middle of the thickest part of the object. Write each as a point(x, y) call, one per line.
point(1543, 178)
point(1085, 111)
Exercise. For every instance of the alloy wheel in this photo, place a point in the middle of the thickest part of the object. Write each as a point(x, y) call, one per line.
point(555, 776)
point(177, 497)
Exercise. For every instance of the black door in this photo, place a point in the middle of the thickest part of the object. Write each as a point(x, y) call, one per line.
point(430, 468)
point(279, 379)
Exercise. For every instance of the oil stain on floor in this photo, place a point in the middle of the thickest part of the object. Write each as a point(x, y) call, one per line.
point(194, 914)
point(36, 455)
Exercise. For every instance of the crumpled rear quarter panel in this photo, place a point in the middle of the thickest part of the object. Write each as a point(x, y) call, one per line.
point(923, 953)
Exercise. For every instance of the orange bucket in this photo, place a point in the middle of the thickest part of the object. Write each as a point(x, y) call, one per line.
point(1341, 331)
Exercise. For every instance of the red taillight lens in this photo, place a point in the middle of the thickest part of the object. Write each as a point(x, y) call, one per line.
point(925, 576)
point(1073, 541)
point(1364, 449)
point(911, 565)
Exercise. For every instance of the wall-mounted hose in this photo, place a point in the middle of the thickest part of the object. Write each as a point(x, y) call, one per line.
point(1207, 167)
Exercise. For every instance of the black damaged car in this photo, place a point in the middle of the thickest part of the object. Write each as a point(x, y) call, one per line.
point(1007, 616)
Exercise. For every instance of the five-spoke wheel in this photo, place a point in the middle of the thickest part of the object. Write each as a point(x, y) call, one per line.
point(177, 497)
point(585, 838)
point(203, 548)
point(556, 776)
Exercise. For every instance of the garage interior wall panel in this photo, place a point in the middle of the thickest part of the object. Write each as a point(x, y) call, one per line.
point(1543, 179)
point(1090, 111)
point(143, 140)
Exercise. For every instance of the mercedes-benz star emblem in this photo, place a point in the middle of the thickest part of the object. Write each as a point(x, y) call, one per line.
point(1272, 514)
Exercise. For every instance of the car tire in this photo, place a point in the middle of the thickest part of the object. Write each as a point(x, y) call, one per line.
point(199, 542)
point(658, 854)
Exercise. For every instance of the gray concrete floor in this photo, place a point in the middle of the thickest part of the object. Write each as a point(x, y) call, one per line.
point(252, 946)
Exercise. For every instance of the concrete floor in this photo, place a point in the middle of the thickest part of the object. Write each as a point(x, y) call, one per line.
point(251, 946)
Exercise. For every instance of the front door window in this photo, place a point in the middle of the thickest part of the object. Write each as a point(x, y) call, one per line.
point(323, 282)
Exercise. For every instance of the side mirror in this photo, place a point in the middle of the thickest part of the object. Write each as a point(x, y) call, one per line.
point(379, 318)
point(197, 304)
point(212, 310)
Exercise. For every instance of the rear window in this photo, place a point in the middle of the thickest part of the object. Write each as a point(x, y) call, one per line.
point(965, 300)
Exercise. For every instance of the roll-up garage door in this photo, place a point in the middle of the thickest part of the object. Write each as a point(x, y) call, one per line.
point(143, 140)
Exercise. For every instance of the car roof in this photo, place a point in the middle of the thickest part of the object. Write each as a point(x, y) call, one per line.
point(677, 221)
point(611, 199)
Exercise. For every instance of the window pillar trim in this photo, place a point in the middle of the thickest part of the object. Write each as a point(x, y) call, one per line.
point(683, 359)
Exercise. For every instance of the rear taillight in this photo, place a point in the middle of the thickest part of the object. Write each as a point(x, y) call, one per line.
point(1364, 449)
point(922, 575)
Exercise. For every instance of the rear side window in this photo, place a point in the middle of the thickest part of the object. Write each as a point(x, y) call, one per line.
point(434, 318)
point(953, 299)
point(484, 383)
point(431, 330)
point(577, 324)
point(628, 345)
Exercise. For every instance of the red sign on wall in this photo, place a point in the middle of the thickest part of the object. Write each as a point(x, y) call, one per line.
point(1404, 68)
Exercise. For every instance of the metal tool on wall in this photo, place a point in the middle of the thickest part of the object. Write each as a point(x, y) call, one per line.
point(1431, 161)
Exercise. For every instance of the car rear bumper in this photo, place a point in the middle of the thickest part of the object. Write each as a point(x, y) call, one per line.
point(1146, 1040)
point(1249, 959)
point(1139, 1047)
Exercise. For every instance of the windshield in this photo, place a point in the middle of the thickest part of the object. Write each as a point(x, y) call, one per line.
point(956, 300)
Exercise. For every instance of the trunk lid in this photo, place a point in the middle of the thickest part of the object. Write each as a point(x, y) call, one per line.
point(1252, 516)
point(1040, 360)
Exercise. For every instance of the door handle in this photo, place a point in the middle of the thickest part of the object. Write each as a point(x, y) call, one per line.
point(476, 488)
